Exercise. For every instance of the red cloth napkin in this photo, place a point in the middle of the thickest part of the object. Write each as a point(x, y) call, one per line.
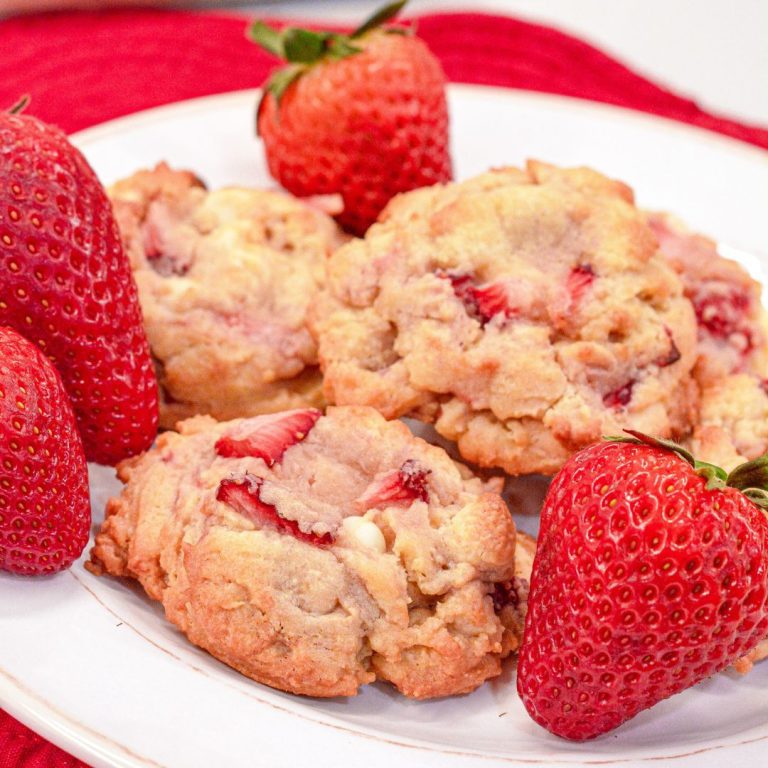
point(82, 69)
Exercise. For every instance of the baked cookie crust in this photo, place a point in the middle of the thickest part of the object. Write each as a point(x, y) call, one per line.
point(525, 312)
point(731, 424)
point(359, 552)
point(225, 281)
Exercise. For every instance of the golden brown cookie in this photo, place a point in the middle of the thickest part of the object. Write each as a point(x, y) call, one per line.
point(729, 314)
point(317, 553)
point(731, 424)
point(225, 279)
point(525, 313)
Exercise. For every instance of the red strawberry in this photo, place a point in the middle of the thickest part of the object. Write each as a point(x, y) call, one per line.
point(363, 115)
point(45, 511)
point(403, 485)
point(245, 498)
point(651, 574)
point(67, 286)
point(268, 437)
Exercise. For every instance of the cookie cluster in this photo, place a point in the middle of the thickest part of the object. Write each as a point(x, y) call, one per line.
point(523, 313)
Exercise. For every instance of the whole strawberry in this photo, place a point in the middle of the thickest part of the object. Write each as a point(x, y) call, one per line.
point(67, 286)
point(651, 574)
point(361, 115)
point(45, 512)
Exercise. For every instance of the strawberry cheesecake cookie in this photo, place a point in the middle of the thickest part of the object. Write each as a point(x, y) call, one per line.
point(730, 317)
point(732, 421)
point(225, 279)
point(317, 553)
point(524, 312)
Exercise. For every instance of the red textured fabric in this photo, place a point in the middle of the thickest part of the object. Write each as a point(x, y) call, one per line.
point(84, 68)
point(21, 748)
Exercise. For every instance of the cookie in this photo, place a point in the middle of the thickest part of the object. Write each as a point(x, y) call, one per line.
point(525, 313)
point(225, 279)
point(758, 653)
point(732, 425)
point(317, 553)
point(729, 313)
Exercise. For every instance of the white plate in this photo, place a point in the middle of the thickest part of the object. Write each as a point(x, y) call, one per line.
point(91, 663)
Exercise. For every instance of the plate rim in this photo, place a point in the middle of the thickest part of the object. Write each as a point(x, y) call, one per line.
point(99, 131)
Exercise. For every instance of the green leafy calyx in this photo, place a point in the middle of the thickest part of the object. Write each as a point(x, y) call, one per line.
point(303, 48)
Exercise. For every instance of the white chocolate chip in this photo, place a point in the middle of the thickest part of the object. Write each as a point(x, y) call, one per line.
point(359, 532)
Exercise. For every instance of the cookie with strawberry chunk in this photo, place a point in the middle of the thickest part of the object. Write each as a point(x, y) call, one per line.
point(731, 425)
point(318, 553)
point(225, 278)
point(729, 313)
point(524, 312)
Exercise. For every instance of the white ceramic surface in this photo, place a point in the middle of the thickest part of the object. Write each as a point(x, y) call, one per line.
point(91, 663)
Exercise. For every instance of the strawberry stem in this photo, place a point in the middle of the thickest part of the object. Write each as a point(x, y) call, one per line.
point(379, 17)
point(302, 48)
point(639, 438)
point(307, 46)
point(267, 37)
point(20, 105)
point(715, 476)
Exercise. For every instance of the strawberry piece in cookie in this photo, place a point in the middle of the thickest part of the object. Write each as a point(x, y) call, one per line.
point(580, 278)
point(403, 485)
point(729, 313)
point(268, 437)
point(619, 397)
point(492, 300)
point(722, 311)
point(481, 302)
point(672, 356)
point(245, 498)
